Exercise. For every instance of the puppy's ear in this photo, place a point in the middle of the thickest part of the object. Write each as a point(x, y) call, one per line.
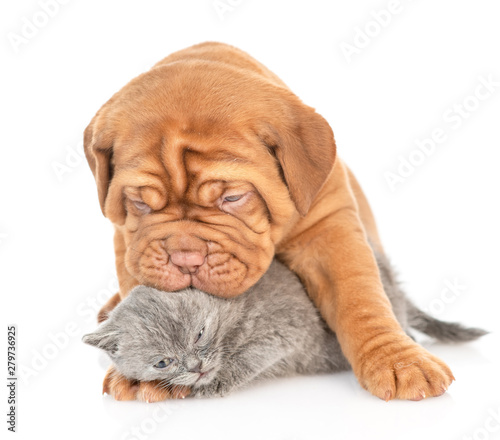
point(99, 153)
point(303, 143)
point(105, 337)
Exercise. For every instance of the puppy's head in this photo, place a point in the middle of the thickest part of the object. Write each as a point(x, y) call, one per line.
point(203, 167)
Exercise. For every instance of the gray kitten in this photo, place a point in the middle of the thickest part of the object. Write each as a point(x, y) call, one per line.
point(215, 345)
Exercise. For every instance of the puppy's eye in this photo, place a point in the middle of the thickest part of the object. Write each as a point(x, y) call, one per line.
point(141, 206)
point(234, 198)
point(200, 335)
point(163, 363)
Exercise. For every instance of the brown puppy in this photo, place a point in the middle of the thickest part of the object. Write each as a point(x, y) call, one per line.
point(208, 166)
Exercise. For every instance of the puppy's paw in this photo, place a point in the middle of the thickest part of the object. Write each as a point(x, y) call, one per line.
point(156, 391)
point(118, 386)
point(121, 388)
point(403, 369)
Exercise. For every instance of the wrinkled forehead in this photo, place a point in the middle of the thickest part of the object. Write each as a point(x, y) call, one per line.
point(178, 143)
point(176, 155)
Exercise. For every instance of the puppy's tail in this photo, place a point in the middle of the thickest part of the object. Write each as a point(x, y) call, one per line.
point(440, 330)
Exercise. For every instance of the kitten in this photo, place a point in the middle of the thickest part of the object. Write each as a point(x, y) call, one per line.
point(215, 345)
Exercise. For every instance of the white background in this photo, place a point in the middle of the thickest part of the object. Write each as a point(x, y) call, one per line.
point(439, 226)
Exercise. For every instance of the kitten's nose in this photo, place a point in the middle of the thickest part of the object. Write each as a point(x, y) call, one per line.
point(196, 369)
point(187, 262)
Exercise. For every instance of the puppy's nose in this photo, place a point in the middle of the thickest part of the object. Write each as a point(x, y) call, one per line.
point(187, 262)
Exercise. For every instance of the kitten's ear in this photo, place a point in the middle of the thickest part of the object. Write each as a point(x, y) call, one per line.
point(105, 338)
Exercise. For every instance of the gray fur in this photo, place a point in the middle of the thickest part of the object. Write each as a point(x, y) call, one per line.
point(411, 317)
point(271, 330)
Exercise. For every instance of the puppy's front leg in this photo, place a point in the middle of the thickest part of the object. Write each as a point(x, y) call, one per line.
point(332, 256)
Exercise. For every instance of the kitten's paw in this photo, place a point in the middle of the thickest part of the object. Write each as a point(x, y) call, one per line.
point(404, 370)
point(118, 386)
point(223, 389)
point(216, 388)
point(156, 391)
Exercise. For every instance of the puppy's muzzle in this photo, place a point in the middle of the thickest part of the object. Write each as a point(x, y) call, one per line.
point(186, 252)
point(187, 262)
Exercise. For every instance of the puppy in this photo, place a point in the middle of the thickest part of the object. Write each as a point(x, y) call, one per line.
point(209, 166)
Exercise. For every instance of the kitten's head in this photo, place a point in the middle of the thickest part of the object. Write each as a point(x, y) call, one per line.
point(172, 336)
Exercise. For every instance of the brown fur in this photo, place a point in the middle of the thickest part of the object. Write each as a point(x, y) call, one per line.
point(210, 121)
point(108, 307)
point(121, 388)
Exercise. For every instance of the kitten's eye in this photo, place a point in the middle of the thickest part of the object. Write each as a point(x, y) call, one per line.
point(141, 206)
point(163, 363)
point(234, 198)
point(200, 335)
